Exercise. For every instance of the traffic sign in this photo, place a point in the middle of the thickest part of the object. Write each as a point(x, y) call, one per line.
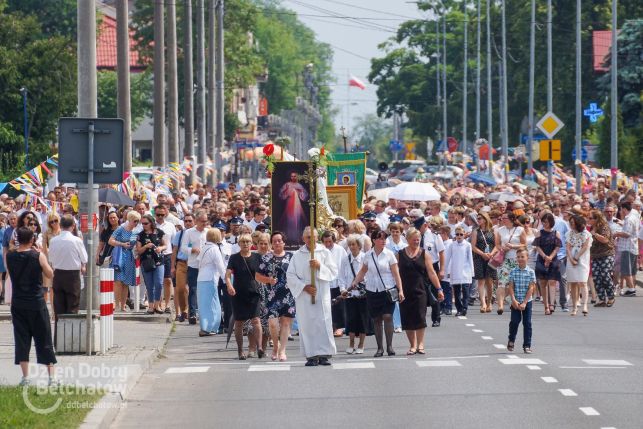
point(550, 150)
point(550, 124)
point(583, 154)
point(593, 112)
point(395, 146)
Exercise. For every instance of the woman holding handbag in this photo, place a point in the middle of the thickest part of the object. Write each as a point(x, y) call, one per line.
point(509, 238)
point(149, 247)
point(547, 244)
point(383, 289)
point(483, 241)
point(244, 291)
point(125, 265)
point(358, 322)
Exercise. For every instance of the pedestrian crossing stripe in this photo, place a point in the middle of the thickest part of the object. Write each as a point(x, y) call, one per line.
point(439, 363)
point(354, 365)
point(615, 362)
point(262, 368)
point(519, 361)
point(187, 369)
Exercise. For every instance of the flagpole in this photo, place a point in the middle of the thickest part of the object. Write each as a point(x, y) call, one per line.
point(348, 106)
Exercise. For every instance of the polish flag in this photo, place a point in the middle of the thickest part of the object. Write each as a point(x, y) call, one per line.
point(353, 81)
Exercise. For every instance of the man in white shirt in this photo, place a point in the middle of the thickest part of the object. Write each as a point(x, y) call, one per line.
point(194, 239)
point(259, 214)
point(339, 255)
point(628, 247)
point(382, 217)
point(169, 231)
point(68, 259)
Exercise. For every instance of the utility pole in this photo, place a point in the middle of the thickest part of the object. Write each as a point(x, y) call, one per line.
point(438, 54)
point(613, 98)
point(200, 87)
point(211, 100)
point(550, 90)
point(477, 79)
point(123, 90)
point(444, 82)
point(465, 79)
point(579, 111)
point(532, 66)
point(88, 108)
point(158, 144)
point(501, 118)
point(489, 86)
point(25, 124)
point(173, 89)
point(188, 88)
point(505, 119)
point(220, 76)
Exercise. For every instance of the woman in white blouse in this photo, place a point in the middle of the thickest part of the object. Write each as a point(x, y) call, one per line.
point(211, 269)
point(358, 321)
point(578, 243)
point(509, 238)
point(381, 272)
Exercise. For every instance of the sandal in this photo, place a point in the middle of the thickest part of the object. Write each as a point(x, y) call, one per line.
point(242, 357)
point(411, 352)
point(421, 352)
point(510, 346)
point(283, 358)
point(610, 302)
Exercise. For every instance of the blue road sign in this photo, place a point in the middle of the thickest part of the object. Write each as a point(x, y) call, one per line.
point(593, 112)
point(583, 154)
point(395, 146)
point(441, 146)
point(536, 137)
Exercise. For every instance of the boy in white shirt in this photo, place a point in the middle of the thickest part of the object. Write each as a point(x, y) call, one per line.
point(460, 270)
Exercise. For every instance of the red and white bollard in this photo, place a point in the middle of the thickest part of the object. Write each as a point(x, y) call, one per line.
point(137, 294)
point(106, 309)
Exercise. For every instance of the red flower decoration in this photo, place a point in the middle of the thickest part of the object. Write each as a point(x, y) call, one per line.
point(322, 151)
point(268, 149)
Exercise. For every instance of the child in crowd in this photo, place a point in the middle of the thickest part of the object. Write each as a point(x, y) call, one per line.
point(522, 283)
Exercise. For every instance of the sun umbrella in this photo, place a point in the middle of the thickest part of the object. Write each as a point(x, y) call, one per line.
point(505, 197)
point(111, 196)
point(482, 178)
point(530, 184)
point(379, 193)
point(466, 192)
point(414, 191)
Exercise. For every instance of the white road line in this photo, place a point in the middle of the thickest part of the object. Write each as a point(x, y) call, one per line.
point(533, 367)
point(425, 363)
point(512, 357)
point(486, 337)
point(567, 392)
point(615, 362)
point(470, 324)
point(462, 317)
point(261, 368)
point(500, 346)
point(478, 331)
point(522, 361)
point(288, 362)
point(354, 365)
point(459, 357)
point(217, 363)
point(611, 427)
point(186, 369)
point(592, 367)
point(589, 411)
point(549, 379)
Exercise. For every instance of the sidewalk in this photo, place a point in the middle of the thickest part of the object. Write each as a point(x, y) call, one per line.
point(137, 345)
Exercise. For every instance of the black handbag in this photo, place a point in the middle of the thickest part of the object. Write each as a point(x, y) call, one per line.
point(361, 286)
point(254, 286)
point(148, 263)
point(392, 294)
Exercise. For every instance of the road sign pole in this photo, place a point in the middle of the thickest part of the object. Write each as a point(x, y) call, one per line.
point(550, 103)
point(579, 111)
point(532, 61)
point(90, 238)
point(613, 98)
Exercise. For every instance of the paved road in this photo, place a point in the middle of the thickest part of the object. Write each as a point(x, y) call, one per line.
point(585, 372)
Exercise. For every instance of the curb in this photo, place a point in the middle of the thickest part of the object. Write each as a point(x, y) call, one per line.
point(105, 411)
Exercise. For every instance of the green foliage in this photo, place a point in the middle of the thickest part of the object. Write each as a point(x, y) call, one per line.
point(374, 135)
point(141, 87)
point(46, 66)
point(56, 17)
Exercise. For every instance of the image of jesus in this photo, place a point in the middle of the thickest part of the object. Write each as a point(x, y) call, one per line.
point(293, 217)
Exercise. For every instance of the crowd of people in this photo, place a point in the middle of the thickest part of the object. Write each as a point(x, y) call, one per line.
point(208, 256)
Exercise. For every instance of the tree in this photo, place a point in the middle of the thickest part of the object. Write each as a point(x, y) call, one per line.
point(373, 134)
point(46, 66)
point(140, 96)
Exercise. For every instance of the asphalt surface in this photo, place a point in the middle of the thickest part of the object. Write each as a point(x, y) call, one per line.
point(585, 372)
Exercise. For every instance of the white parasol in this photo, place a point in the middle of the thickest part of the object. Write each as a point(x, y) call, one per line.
point(414, 191)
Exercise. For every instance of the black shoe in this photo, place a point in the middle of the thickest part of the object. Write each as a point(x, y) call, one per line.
point(192, 320)
point(390, 352)
point(204, 334)
point(436, 324)
point(180, 318)
point(379, 353)
point(629, 293)
point(311, 362)
point(464, 313)
point(472, 301)
point(260, 354)
point(142, 306)
point(130, 303)
point(324, 361)
point(458, 314)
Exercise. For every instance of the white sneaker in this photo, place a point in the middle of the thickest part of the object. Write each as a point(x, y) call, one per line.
point(24, 382)
point(359, 351)
point(350, 351)
point(398, 330)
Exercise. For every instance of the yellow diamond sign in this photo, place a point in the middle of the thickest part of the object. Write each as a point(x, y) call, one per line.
point(550, 124)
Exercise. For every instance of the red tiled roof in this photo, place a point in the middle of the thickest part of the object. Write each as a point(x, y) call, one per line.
point(106, 47)
point(601, 45)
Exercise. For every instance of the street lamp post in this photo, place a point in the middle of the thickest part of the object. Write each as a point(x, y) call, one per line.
point(24, 93)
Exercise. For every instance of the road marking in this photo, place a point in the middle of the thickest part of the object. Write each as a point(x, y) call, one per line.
point(607, 362)
point(567, 392)
point(260, 368)
point(459, 357)
point(424, 363)
point(288, 362)
point(549, 379)
point(470, 324)
point(512, 357)
point(592, 367)
point(217, 363)
point(186, 369)
point(500, 346)
point(354, 365)
point(477, 330)
point(522, 361)
point(485, 337)
point(533, 367)
point(462, 317)
point(589, 411)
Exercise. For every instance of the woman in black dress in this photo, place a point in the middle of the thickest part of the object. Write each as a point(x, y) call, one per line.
point(482, 243)
point(416, 267)
point(245, 295)
point(547, 270)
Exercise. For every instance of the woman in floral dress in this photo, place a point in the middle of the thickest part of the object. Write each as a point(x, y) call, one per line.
point(280, 303)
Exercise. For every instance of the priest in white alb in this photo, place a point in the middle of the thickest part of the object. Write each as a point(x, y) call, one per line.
point(315, 320)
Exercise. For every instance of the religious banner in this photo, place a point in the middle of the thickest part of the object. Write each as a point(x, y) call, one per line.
point(348, 169)
point(342, 200)
point(290, 199)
